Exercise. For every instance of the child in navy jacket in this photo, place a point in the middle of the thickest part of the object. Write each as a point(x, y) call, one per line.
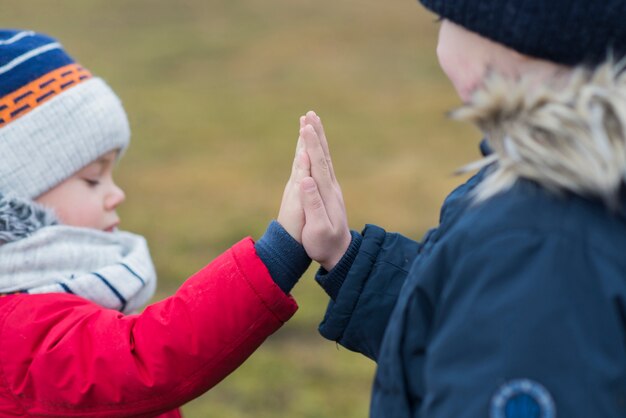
point(515, 305)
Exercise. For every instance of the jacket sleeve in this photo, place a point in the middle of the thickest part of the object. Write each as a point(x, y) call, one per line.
point(357, 316)
point(523, 316)
point(63, 356)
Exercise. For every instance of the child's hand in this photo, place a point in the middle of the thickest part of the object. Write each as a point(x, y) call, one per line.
point(326, 235)
point(291, 213)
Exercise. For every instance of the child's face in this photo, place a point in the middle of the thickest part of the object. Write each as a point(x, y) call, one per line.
point(466, 57)
point(461, 55)
point(88, 198)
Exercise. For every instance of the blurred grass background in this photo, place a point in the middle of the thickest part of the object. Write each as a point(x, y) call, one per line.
point(214, 89)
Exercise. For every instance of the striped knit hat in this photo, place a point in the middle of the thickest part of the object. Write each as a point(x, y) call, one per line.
point(564, 31)
point(55, 117)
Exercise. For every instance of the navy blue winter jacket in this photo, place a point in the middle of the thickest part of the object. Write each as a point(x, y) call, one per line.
point(515, 305)
point(510, 308)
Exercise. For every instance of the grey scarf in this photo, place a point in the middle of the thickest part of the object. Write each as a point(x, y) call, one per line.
point(38, 255)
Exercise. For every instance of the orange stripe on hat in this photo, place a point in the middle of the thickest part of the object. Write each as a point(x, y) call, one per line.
point(28, 97)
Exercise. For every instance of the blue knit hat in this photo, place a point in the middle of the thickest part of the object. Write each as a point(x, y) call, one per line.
point(564, 31)
point(55, 117)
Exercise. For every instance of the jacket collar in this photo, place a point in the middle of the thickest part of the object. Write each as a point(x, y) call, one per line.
point(566, 135)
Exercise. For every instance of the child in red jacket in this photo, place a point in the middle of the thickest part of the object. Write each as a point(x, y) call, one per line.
point(69, 343)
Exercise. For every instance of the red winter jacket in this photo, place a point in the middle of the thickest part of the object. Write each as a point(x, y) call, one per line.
point(63, 356)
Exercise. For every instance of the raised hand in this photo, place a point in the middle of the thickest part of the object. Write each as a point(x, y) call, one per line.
point(326, 235)
point(291, 213)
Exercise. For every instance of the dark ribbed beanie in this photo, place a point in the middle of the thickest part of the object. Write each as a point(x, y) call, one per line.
point(565, 31)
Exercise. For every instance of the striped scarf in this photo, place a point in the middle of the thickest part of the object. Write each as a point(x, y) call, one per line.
point(37, 255)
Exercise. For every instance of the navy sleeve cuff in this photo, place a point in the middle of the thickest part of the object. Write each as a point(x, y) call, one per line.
point(283, 256)
point(331, 281)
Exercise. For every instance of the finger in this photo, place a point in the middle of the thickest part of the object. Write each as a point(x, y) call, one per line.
point(320, 172)
point(303, 166)
point(338, 210)
point(314, 120)
point(315, 214)
point(329, 188)
point(299, 145)
point(319, 166)
point(300, 148)
point(291, 206)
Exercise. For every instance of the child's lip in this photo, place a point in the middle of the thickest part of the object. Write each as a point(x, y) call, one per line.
point(112, 228)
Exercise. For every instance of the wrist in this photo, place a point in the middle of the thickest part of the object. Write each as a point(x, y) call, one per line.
point(336, 256)
point(283, 256)
point(294, 229)
point(331, 281)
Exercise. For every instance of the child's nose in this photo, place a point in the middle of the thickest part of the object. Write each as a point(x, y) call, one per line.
point(115, 197)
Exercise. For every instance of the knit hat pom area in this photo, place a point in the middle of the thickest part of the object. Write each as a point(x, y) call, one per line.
point(55, 116)
point(569, 32)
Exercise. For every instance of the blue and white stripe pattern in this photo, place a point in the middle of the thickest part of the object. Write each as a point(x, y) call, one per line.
point(25, 56)
point(113, 270)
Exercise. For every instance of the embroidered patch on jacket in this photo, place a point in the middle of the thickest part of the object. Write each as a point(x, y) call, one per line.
point(522, 398)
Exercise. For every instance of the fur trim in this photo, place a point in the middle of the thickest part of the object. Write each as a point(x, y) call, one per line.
point(20, 218)
point(567, 135)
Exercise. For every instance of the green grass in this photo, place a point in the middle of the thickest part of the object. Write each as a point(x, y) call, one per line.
point(214, 89)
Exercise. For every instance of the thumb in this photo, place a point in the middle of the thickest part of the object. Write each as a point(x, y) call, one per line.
point(312, 203)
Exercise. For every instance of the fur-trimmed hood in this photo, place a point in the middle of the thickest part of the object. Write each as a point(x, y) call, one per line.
point(20, 218)
point(566, 135)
